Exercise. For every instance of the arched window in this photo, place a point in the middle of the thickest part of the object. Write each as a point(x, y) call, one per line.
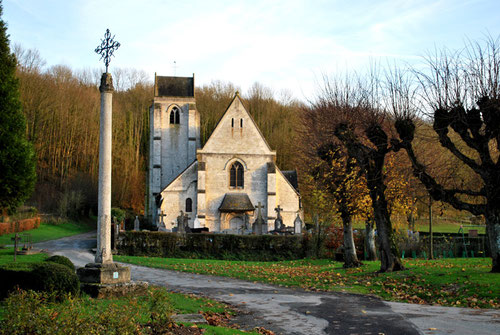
point(189, 205)
point(241, 123)
point(232, 123)
point(174, 116)
point(236, 175)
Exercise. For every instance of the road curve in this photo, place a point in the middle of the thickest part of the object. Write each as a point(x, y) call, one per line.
point(296, 311)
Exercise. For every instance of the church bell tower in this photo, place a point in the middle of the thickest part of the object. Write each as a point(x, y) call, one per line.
point(174, 135)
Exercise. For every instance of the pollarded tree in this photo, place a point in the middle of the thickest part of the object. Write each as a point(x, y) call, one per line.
point(339, 175)
point(461, 94)
point(17, 160)
point(359, 123)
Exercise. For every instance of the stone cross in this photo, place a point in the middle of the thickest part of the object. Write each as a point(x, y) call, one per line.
point(162, 215)
point(279, 210)
point(185, 223)
point(278, 223)
point(104, 271)
point(257, 225)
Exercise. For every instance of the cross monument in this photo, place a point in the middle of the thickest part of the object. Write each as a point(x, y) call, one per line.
point(104, 271)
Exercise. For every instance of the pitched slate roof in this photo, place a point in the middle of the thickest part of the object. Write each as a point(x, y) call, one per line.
point(174, 86)
point(292, 178)
point(236, 202)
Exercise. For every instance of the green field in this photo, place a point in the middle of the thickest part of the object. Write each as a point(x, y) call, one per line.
point(49, 231)
point(448, 282)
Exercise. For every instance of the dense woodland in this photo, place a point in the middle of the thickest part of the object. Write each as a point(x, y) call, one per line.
point(61, 106)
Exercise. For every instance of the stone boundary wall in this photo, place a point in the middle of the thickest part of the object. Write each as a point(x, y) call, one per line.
point(26, 224)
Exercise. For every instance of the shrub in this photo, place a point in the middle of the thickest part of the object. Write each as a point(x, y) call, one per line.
point(118, 213)
point(53, 277)
point(62, 260)
point(14, 276)
point(30, 312)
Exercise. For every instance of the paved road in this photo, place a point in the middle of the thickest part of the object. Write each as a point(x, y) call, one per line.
point(295, 311)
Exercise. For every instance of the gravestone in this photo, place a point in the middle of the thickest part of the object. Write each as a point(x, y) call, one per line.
point(257, 225)
point(278, 223)
point(297, 225)
point(185, 223)
point(137, 224)
point(196, 223)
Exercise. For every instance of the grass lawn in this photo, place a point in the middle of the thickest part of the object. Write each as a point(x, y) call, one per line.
point(448, 282)
point(7, 258)
point(52, 231)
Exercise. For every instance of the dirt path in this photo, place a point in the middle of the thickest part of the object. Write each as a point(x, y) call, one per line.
point(295, 311)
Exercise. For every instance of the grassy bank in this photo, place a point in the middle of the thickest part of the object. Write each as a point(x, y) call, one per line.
point(448, 282)
point(146, 314)
point(52, 231)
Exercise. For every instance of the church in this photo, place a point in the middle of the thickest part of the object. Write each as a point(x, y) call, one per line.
point(224, 185)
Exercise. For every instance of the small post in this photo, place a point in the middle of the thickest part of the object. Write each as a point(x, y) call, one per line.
point(15, 238)
point(431, 253)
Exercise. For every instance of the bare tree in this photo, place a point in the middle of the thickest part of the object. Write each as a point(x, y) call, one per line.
point(361, 126)
point(459, 92)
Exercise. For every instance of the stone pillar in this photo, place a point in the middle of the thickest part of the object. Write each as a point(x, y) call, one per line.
point(98, 278)
point(103, 253)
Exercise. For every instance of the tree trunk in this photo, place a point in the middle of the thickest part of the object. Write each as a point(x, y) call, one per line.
point(371, 251)
point(350, 257)
point(389, 258)
point(388, 251)
point(493, 230)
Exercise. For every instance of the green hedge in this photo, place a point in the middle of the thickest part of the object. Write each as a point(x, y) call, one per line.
point(47, 277)
point(62, 260)
point(213, 246)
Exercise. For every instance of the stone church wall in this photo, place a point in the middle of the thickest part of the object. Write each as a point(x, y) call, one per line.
point(287, 198)
point(217, 183)
point(175, 195)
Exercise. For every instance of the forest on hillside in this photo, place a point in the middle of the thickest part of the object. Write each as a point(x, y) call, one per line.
point(61, 106)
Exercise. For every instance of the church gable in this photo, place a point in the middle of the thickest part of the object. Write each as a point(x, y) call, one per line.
point(237, 132)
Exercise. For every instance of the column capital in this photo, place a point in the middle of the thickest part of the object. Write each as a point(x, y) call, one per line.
point(106, 83)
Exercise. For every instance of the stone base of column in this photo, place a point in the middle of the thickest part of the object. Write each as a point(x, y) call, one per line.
point(104, 291)
point(108, 280)
point(107, 273)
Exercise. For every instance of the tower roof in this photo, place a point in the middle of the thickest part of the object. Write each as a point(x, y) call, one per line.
point(174, 86)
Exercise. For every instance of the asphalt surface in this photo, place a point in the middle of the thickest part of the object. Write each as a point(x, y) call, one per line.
point(295, 311)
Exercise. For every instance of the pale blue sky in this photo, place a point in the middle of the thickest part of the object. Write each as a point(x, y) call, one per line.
point(285, 45)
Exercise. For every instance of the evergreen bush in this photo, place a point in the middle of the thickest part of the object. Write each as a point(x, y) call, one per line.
point(62, 260)
point(17, 158)
point(57, 278)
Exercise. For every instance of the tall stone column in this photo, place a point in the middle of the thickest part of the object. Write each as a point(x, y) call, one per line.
point(103, 253)
point(97, 277)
